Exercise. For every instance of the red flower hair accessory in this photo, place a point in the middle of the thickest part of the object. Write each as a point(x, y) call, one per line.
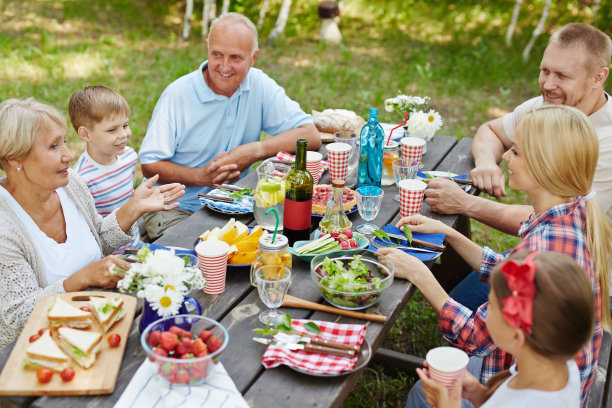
point(517, 308)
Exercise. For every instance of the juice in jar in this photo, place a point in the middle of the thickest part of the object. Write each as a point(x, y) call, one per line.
point(390, 154)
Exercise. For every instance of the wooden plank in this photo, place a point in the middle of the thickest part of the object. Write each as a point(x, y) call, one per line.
point(391, 358)
point(98, 379)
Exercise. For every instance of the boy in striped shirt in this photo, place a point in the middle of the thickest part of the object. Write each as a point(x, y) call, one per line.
point(100, 117)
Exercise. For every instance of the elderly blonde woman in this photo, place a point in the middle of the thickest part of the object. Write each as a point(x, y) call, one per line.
point(51, 238)
point(553, 159)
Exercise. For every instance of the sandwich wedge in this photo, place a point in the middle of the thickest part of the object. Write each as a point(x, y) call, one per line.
point(45, 353)
point(64, 313)
point(107, 310)
point(81, 345)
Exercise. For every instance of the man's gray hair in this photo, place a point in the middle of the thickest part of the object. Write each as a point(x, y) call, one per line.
point(236, 18)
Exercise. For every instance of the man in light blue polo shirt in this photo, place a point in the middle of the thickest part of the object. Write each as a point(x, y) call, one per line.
point(206, 125)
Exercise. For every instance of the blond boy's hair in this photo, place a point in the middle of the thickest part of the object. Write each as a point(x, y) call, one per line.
point(92, 104)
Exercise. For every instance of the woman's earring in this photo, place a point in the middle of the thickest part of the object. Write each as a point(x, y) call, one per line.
point(18, 168)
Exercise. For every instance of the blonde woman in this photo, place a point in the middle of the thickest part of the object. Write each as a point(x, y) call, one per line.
point(51, 238)
point(552, 159)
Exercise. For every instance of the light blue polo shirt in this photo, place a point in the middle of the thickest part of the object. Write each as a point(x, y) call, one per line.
point(191, 124)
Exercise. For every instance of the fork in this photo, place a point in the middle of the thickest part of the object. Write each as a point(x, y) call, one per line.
point(429, 251)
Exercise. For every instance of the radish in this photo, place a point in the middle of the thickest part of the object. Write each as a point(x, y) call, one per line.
point(348, 233)
point(352, 243)
point(344, 245)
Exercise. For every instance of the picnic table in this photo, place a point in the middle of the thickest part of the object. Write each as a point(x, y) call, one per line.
point(238, 306)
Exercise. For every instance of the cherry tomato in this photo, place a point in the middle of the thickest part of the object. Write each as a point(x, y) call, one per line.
point(34, 337)
point(114, 340)
point(85, 309)
point(44, 374)
point(67, 374)
point(41, 331)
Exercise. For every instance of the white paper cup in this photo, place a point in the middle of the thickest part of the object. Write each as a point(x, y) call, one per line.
point(446, 365)
point(412, 149)
point(212, 260)
point(411, 196)
point(313, 165)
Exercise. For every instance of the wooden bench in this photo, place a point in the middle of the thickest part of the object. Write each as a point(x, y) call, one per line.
point(600, 392)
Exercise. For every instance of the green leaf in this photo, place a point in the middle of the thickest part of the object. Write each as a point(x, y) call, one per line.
point(382, 235)
point(143, 253)
point(266, 331)
point(429, 176)
point(312, 327)
point(408, 234)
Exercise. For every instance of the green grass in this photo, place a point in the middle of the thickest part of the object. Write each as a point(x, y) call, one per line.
point(452, 51)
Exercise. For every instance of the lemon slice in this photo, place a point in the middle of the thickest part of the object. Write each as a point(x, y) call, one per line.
point(270, 186)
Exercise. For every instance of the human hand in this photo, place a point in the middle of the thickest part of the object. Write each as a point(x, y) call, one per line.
point(422, 224)
point(473, 390)
point(220, 170)
point(405, 265)
point(445, 196)
point(148, 198)
point(490, 179)
point(244, 155)
point(436, 394)
point(97, 274)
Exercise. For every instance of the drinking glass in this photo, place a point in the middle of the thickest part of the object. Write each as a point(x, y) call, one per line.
point(402, 171)
point(369, 200)
point(272, 285)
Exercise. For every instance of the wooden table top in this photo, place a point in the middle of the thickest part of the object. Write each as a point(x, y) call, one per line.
point(238, 306)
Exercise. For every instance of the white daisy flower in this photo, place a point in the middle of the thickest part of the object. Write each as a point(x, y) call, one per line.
point(164, 302)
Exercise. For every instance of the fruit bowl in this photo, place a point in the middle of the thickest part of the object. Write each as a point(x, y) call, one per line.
point(202, 354)
point(351, 296)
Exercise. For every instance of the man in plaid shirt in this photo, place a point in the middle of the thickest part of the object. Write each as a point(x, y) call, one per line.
point(560, 229)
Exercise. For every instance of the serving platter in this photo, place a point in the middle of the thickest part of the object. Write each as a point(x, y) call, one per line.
point(98, 379)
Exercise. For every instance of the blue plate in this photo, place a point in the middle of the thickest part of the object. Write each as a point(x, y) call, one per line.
point(362, 244)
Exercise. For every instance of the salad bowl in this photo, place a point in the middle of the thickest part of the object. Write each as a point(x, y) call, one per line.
point(350, 282)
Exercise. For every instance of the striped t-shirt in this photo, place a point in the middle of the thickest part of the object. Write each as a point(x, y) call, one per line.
point(111, 186)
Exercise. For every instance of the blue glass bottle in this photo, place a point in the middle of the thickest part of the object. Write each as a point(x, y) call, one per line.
point(371, 152)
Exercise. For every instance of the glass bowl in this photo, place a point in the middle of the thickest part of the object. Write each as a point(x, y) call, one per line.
point(193, 370)
point(352, 296)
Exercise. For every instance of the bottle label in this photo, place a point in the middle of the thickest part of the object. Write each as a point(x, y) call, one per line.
point(297, 214)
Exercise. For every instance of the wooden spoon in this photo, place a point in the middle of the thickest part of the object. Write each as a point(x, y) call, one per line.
point(292, 301)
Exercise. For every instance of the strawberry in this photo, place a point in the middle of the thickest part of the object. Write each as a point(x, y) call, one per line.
point(154, 338)
point(160, 352)
point(213, 344)
point(205, 335)
point(201, 354)
point(168, 340)
point(184, 347)
point(182, 377)
point(198, 346)
point(167, 369)
point(177, 330)
point(197, 372)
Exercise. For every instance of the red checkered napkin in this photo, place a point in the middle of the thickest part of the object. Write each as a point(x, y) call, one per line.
point(284, 156)
point(353, 334)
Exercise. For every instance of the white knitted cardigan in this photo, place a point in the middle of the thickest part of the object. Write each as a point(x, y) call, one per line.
point(22, 278)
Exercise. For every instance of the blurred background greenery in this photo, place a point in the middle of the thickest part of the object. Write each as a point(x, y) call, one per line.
point(452, 51)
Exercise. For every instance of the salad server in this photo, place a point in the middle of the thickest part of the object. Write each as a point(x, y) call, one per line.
point(415, 249)
point(304, 338)
point(417, 242)
point(307, 347)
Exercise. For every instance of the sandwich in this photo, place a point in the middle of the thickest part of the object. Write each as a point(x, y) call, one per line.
point(107, 311)
point(64, 313)
point(45, 353)
point(81, 345)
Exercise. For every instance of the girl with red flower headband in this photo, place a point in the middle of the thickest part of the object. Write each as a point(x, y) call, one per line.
point(541, 312)
point(553, 159)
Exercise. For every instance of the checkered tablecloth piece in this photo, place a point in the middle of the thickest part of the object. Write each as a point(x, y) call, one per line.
point(284, 156)
point(353, 334)
point(239, 206)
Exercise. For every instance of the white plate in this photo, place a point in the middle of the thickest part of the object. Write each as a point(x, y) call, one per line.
point(365, 354)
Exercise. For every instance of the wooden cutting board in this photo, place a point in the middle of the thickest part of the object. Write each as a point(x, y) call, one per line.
point(326, 137)
point(97, 379)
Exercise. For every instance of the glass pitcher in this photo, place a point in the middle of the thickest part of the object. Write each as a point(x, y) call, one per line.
point(270, 193)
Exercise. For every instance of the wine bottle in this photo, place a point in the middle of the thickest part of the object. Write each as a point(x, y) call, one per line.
point(298, 198)
point(371, 152)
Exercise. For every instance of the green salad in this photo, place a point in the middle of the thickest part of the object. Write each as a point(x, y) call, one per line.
point(354, 277)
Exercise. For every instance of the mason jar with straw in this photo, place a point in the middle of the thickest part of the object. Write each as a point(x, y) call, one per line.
point(273, 251)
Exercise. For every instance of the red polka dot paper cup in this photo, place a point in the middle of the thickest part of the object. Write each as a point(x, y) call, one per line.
point(412, 149)
point(212, 260)
point(446, 365)
point(313, 165)
point(411, 196)
point(338, 155)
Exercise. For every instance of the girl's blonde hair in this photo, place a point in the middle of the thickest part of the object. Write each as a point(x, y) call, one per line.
point(20, 122)
point(561, 150)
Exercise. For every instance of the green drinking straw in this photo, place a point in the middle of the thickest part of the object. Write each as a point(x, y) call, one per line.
point(276, 226)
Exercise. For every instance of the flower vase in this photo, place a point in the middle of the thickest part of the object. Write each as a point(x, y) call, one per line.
point(149, 315)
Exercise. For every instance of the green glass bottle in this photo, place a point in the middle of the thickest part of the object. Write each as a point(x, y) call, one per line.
point(298, 198)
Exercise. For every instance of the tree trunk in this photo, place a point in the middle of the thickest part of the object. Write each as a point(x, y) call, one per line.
point(279, 27)
point(265, 6)
point(208, 14)
point(186, 24)
point(225, 7)
point(512, 26)
point(595, 8)
point(537, 30)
